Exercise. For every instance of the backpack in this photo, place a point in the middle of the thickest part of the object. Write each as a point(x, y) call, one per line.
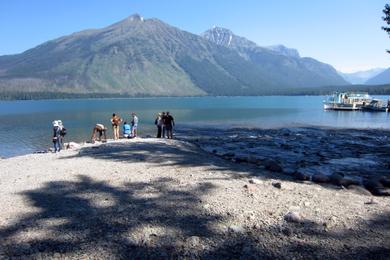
point(63, 131)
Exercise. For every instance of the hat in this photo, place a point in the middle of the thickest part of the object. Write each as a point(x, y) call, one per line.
point(55, 123)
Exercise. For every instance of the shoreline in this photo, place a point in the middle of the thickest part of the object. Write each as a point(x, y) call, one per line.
point(160, 198)
point(303, 153)
point(185, 129)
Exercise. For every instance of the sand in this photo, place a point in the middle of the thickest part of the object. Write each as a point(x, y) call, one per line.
point(154, 198)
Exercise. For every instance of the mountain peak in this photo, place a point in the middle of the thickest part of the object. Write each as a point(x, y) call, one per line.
point(227, 38)
point(219, 35)
point(135, 17)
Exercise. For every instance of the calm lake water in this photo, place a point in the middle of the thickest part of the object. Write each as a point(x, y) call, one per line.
point(25, 126)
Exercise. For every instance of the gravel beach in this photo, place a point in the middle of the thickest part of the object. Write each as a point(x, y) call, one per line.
point(157, 198)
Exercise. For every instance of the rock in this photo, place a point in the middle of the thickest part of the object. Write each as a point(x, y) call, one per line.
point(301, 176)
point(206, 206)
point(346, 182)
point(277, 185)
point(376, 187)
point(272, 166)
point(385, 181)
point(228, 155)
point(241, 159)
point(236, 229)
point(193, 240)
point(370, 202)
point(359, 190)
point(336, 179)
point(287, 231)
point(255, 160)
point(320, 178)
point(250, 187)
point(255, 181)
point(293, 217)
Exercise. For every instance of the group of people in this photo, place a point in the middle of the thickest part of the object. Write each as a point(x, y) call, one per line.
point(128, 130)
point(165, 123)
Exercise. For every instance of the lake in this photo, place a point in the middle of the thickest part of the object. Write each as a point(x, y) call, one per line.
point(25, 126)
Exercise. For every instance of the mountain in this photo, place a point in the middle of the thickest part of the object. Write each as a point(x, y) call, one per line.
point(360, 77)
point(380, 79)
point(138, 56)
point(281, 49)
point(277, 64)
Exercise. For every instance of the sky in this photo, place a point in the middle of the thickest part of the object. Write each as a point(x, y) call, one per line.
point(344, 33)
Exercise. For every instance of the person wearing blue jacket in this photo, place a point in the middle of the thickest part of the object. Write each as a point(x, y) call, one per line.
point(126, 130)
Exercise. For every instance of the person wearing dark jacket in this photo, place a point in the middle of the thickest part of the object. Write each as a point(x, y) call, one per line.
point(169, 123)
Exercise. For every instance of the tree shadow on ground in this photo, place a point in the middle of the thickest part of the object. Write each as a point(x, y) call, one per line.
point(160, 153)
point(159, 219)
point(138, 219)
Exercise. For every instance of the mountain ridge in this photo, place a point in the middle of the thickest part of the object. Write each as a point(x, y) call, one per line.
point(361, 77)
point(380, 79)
point(138, 56)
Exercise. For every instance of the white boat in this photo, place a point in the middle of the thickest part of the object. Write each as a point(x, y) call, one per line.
point(377, 105)
point(347, 101)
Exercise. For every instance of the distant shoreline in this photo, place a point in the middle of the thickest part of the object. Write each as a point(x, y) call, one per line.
point(315, 91)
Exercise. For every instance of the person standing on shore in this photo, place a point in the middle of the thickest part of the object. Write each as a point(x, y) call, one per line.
point(115, 121)
point(56, 136)
point(158, 122)
point(169, 123)
point(134, 125)
point(62, 133)
point(163, 129)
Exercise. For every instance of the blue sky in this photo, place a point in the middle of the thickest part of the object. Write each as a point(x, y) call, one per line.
point(344, 33)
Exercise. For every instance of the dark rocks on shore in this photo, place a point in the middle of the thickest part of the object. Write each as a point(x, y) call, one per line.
point(320, 178)
point(359, 190)
point(301, 176)
point(376, 187)
point(272, 166)
point(385, 181)
point(342, 157)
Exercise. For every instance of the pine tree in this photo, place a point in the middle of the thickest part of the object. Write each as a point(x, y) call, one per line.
point(386, 18)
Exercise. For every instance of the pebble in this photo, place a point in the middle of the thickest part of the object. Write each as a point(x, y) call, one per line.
point(236, 229)
point(293, 217)
point(277, 185)
point(371, 202)
point(193, 240)
point(255, 181)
